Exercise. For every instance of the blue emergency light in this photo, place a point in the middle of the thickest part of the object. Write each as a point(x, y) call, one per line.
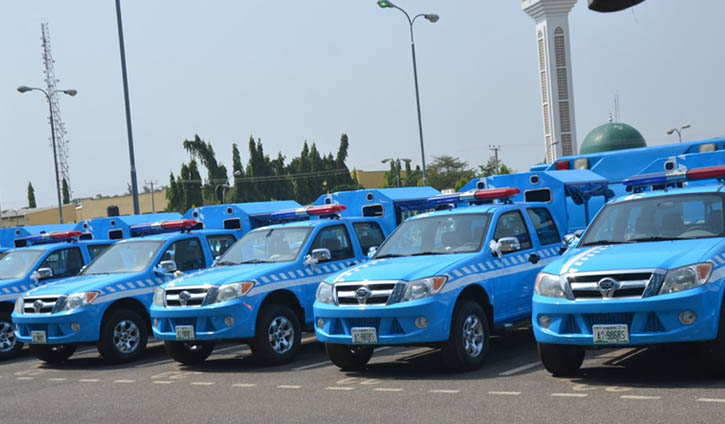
point(164, 226)
point(54, 237)
point(302, 213)
point(473, 196)
point(662, 178)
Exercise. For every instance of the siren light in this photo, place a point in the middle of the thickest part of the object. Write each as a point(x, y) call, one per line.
point(661, 178)
point(326, 210)
point(51, 237)
point(159, 227)
point(473, 195)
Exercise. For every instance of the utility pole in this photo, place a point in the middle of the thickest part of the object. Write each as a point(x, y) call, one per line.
point(495, 150)
point(151, 184)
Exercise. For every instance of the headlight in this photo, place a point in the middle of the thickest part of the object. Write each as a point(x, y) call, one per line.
point(685, 278)
point(233, 291)
point(420, 289)
point(159, 296)
point(549, 285)
point(324, 293)
point(77, 300)
point(19, 305)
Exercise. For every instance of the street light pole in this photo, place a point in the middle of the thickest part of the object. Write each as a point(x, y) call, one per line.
point(678, 131)
point(433, 18)
point(23, 89)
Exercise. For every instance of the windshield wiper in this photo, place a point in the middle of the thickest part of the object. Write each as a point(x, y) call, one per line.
point(226, 263)
point(653, 238)
point(254, 261)
point(429, 253)
point(389, 255)
point(603, 242)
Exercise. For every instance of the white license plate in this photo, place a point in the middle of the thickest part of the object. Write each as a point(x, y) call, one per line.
point(364, 335)
point(185, 332)
point(39, 337)
point(611, 334)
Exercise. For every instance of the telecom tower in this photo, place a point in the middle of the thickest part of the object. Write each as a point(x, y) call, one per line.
point(60, 131)
point(557, 94)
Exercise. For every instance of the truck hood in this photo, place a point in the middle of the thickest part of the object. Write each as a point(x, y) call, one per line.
point(83, 283)
point(406, 268)
point(661, 254)
point(228, 274)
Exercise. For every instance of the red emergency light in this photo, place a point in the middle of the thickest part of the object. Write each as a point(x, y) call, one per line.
point(325, 210)
point(182, 224)
point(706, 173)
point(562, 165)
point(496, 193)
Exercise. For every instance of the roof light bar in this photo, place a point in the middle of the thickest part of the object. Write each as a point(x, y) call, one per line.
point(660, 178)
point(496, 193)
point(306, 212)
point(159, 227)
point(56, 236)
point(562, 165)
point(473, 195)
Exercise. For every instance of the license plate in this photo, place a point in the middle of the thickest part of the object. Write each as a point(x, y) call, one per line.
point(185, 332)
point(611, 334)
point(39, 337)
point(364, 335)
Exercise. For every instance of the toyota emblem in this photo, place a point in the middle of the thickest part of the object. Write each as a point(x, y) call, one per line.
point(38, 305)
point(184, 297)
point(607, 286)
point(362, 294)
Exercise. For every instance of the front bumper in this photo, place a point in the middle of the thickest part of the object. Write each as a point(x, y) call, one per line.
point(395, 324)
point(208, 321)
point(651, 320)
point(57, 327)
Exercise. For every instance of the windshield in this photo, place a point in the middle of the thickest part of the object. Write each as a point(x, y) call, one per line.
point(268, 245)
point(17, 263)
point(126, 257)
point(437, 235)
point(677, 217)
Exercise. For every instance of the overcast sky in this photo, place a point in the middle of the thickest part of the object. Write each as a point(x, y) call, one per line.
point(291, 70)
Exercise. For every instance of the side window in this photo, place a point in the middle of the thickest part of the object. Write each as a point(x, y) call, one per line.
point(97, 249)
point(369, 234)
point(186, 253)
point(64, 262)
point(220, 244)
point(373, 210)
point(511, 224)
point(545, 226)
point(336, 240)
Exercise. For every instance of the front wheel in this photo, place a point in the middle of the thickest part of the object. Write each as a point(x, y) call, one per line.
point(561, 360)
point(52, 354)
point(189, 353)
point(10, 347)
point(349, 358)
point(469, 341)
point(123, 336)
point(278, 335)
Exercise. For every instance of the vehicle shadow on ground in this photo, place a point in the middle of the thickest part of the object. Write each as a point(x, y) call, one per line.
point(96, 362)
point(671, 366)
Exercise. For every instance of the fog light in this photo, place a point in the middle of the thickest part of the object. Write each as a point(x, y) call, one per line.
point(320, 323)
point(421, 322)
point(229, 321)
point(687, 317)
point(75, 327)
point(544, 321)
point(156, 322)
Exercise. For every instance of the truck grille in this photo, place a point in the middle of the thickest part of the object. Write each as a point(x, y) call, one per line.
point(375, 293)
point(185, 296)
point(39, 305)
point(627, 285)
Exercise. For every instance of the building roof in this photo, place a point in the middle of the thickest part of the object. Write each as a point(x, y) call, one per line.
point(612, 136)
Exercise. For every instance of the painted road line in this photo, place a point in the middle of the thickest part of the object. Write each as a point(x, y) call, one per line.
point(89, 380)
point(519, 369)
point(573, 395)
point(504, 393)
point(151, 364)
point(443, 391)
point(57, 379)
point(315, 365)
point(713, 400)
point(124, 381)
point(388, 389)
point(340, 388)
point(202, 383)
point(163, 382)
point(26, 378)
point(287, 386)
point(635, 397)
point(245, 385)
point(228, 348)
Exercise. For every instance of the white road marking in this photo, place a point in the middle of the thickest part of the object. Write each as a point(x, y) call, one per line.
point(388, 389)
point(315, 365)
point(57, 379)
point(229, 348)
point(124, 381)
point(519, 369)
point(151, 364)
point(89, 380)
point(340, 388)
point(26, 378)
point(715, 400)
point(244, 385)
point(505, 393)
point(287, 386)
point(202, 383)
point(576, 395)
point(635, 397)
point(163, 382)
point(443, 391)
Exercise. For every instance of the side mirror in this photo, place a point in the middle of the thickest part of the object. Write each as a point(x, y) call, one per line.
point(42, 274)
point(166, 267)
point(504, 245)
point(372, 251)
point(317, 256)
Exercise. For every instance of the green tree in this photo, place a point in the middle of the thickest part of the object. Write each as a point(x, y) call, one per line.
point(194, 191)
point(460, 183)
point(31, 197)
point(66, 191)
point(216, 172)
point(174, 196)
point(238, 175)
point(444, 171)
point(490, 168)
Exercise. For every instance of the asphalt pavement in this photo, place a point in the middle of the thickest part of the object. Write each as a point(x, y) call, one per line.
point(657, 385)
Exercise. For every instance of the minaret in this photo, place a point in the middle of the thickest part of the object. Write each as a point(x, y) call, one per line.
point(557, 94)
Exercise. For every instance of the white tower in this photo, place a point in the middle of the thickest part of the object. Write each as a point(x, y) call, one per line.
point(557, 94)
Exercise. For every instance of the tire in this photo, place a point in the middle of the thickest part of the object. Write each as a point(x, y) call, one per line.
point(561, 360)
point(278, 335)
point(123, 336)
point(468, 344)
point(10, 347)
point(52, 354)
point(349, 358)
point(189, 353)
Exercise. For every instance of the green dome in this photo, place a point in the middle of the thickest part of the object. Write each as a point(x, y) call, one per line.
point(612, 136)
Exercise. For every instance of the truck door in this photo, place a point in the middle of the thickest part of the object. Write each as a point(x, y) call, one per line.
point(369, 235)
point(64, 263)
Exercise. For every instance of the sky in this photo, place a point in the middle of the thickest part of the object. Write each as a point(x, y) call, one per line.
point(287, 71)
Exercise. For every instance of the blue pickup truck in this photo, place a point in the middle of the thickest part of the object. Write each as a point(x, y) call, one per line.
point(108, 302)
point(648, 270)
point(446, 279)
point(261, 291)
point(45, 258)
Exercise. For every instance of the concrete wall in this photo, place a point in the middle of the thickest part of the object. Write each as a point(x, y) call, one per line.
point(96, 208)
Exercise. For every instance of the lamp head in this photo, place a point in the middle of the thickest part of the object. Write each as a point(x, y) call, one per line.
point(24, 89)
point(432, 17)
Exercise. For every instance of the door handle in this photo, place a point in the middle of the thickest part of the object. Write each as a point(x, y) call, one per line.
point(534, 258)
